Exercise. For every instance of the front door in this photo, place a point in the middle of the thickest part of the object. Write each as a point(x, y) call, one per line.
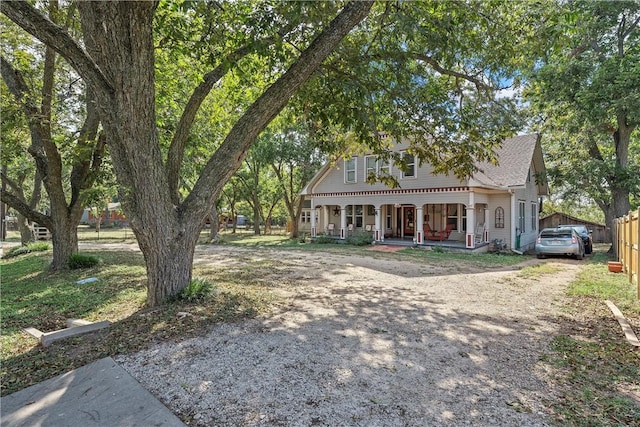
point(409, 223)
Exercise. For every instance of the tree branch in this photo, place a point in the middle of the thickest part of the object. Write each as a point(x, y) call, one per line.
point(39, 26)
point(439, 68)
point(226, 160)
point(82, 175)
point(17, 86)
point(22, 207)
point(178, 143)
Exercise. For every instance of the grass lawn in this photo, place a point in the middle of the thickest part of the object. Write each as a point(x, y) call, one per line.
point(597, 370)
point(34, 297)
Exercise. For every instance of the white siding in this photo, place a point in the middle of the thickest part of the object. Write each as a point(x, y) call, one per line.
point(333, 181)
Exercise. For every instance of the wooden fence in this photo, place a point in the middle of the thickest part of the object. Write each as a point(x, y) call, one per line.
point(628, 239)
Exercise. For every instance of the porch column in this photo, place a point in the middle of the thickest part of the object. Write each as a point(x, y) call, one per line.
point(325, 217)
point(343, 222)
point(471, 222)
point(378, 235)
point(485, 237)
point(419, 225)
point(513, 227)
point(314, 225)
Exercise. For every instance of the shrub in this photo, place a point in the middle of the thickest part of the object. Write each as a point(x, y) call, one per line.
point(362, 238)
point(324, 240)
point(79, 260)
point(31, 247)
point(198, 289)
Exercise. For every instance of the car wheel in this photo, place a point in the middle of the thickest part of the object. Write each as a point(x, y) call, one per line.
point(540, 256)
point(579, 256)
point(588, 249)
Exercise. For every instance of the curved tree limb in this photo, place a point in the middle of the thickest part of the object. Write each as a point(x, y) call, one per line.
point(178, 143)
point(18, 88)
point(23, 207)
point(41, 27)
point(226, 160)
point(439, 68)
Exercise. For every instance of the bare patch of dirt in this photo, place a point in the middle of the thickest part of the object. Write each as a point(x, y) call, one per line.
point(363, 341)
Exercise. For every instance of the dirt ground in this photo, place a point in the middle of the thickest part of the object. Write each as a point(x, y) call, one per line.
point(364, 341)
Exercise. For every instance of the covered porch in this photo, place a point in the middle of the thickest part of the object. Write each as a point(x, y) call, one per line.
point(415, 219)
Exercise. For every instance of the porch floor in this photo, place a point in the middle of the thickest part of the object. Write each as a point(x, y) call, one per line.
point(452, 245)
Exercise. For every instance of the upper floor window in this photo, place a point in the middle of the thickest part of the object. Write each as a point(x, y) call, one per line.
point(385, 167)
point(371, 166)
point(410, 162)
point(350, 170)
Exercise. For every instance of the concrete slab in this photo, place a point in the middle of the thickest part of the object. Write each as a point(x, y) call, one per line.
point(99, 394)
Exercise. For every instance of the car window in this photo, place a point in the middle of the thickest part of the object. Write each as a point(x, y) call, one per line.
point(557, 234)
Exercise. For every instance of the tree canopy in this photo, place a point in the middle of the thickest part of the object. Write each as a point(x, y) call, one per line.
point(587, 92)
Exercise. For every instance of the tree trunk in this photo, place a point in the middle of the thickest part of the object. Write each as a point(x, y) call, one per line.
point(267, 225)
point(215, 226)
point(295, 229)
point(98, 217)
point(26, 233)
point(234, 220)
point(256, 212)
point(169, 257)
point(64, 237)
point(256, 220)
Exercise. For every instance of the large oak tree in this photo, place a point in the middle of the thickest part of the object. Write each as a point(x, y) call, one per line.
point(65, 180)
point(117, 63)
point(587, 90)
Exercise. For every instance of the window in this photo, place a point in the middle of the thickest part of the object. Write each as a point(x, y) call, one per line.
point(499, 217)
point(371, 166)
point(358, 215)
point(354, 215)
point(385, 167)
point(410, 162)
point(305, 217)
point(452, 216)
point(534, 222)
point(350, 170)
point(521, 216)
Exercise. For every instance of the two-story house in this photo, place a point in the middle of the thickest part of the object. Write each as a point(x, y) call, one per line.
point(497, 202)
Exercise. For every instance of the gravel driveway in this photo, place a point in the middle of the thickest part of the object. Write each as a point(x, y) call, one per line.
point(364, 341)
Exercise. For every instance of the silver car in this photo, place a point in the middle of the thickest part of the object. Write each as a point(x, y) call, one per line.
point(559, 241)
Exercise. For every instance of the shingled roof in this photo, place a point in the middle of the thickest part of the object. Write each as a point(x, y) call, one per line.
point(514, 159)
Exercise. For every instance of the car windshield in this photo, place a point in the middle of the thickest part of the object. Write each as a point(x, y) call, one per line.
point(579, 228)
point(564, 233)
